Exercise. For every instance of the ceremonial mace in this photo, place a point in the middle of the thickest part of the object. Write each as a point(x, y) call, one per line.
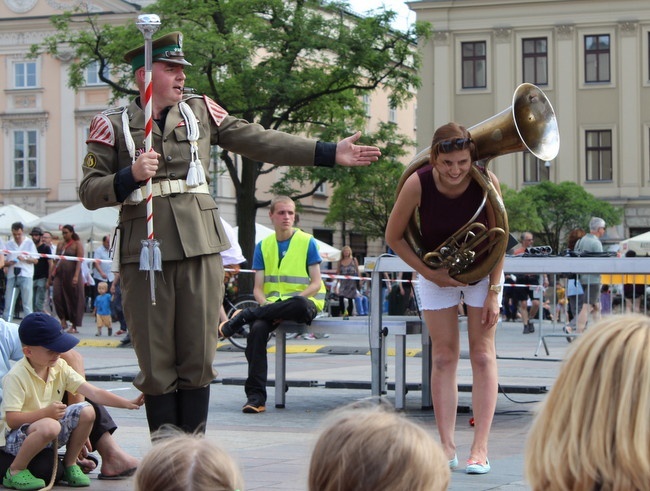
point(150, 259)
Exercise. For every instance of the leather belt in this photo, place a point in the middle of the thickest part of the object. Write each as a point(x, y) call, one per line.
point(167, 187)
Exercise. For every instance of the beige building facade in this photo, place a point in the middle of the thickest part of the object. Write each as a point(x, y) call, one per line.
point(45, 123)
point(590, 57)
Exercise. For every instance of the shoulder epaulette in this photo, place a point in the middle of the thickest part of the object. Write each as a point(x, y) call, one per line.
point(187, 97)
point(114, 110)
point(217, 112)
point(101, 130)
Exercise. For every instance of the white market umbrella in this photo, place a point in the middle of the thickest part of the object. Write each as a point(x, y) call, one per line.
point(326, 251)
point(89, 224)
point(10, 214)
point(639, 244)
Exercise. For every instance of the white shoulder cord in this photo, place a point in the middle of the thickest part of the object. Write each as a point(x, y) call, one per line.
point(195, 174)
point(136, 196)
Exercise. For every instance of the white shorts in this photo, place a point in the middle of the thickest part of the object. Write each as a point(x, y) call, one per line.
point(434, 297)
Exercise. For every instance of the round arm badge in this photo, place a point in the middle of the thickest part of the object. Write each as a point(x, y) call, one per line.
point(90, 161)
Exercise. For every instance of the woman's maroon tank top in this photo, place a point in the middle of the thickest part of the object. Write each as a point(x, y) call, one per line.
point(441, 217)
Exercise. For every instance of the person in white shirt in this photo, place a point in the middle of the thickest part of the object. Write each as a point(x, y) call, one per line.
point(232, 259)
point(19, 270)
point(102, 271)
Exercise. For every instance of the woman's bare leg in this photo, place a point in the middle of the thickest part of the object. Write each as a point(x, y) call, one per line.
point(482, 353)
point(445, 351)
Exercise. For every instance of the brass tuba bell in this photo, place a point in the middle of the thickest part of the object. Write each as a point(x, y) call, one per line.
point(528, 124)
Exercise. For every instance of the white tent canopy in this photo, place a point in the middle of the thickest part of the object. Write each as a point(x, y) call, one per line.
point(639, 244)
point(326, 251)
point(89, 224)
point(10, 214)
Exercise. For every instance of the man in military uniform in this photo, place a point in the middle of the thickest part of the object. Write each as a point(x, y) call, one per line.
point(175, 340)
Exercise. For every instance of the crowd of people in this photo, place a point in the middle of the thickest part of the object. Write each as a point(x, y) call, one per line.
point(66, 288)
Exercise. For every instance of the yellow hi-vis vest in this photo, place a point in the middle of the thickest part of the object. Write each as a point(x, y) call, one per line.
point(289, 277)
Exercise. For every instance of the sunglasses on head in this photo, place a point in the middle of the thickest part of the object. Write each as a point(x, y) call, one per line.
point(455, 144)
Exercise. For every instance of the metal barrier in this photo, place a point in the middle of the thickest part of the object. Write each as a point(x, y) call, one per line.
point(614, 267)
point(379, 325)
point(610, 268)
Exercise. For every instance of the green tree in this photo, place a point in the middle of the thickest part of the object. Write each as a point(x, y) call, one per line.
point(551, 210)
point(298, 65)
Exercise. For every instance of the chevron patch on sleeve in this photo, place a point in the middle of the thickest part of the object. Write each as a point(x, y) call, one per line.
point(217, 112)
point(101, 131)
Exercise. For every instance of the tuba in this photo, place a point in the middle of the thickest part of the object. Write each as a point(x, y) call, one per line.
point(528, 124)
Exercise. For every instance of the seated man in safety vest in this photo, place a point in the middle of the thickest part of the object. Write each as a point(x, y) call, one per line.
point(288, 286)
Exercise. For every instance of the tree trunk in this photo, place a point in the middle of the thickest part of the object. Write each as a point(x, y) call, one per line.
point(246, 214)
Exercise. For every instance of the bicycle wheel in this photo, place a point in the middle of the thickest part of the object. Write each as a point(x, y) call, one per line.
point(245, 302)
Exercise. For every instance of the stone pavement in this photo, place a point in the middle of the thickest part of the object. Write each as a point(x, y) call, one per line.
point(273, 448)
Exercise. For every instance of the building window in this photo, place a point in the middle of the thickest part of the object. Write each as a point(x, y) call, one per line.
point(392, 114)
point(366, 105)
point(535, 62)
point(321, 190)
point(474, 65)
point(92, 74)
point(24, 74)
point(535, 170)
point(25, 158)
point(359, 246)
point(599, 155)
point(597, 58)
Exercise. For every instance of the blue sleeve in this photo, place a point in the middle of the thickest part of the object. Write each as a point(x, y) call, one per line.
point(313, 257)
point(124, 184)
point(325, 154)
point(258, 259)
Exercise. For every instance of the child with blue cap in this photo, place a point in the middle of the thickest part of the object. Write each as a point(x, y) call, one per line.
point(32, 412)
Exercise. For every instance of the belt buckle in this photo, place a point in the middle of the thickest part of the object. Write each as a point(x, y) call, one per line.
point(170, 187)
point(165, 187)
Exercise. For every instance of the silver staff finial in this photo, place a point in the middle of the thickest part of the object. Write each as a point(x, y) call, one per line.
point(148, 23)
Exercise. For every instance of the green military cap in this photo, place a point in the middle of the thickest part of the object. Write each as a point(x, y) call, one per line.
point(168, 48)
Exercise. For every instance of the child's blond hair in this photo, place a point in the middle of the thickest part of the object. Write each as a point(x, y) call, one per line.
point(182, 461)
point(102, 285)
point(376, 449)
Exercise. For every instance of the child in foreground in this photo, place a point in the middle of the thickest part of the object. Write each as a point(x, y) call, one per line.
point(32, 412)
point(372, 448)
point(180, 461)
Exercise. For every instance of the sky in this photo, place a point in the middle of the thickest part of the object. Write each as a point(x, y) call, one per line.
point(405, 16)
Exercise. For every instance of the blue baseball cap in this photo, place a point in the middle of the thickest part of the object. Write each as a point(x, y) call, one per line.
point(40, 329)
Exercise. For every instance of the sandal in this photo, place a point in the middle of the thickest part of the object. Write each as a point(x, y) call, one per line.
point(22, 480)
point(75, 477)
point(72, 330)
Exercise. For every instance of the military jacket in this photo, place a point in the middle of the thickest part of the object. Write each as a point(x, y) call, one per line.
point(188, 224)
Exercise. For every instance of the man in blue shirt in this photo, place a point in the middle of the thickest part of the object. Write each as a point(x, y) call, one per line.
point(288, 286)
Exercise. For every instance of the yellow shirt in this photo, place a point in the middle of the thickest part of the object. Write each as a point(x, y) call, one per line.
point(24, 390)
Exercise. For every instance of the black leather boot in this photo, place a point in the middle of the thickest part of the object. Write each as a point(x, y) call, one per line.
point(161, 410)
point(193, 407)
point(237, 322)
